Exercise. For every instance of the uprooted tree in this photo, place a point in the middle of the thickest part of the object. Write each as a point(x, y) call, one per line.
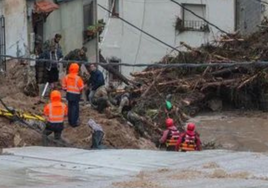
point(203, 87)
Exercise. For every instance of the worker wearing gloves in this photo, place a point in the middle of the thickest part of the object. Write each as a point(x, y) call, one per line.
point(55, 112)
point(190, 140)
point(170, 135)
point(73, 85)
point(97, 135)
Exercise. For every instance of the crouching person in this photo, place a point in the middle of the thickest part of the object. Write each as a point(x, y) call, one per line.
point(97, 135)
point(101, 101)
point(55, 112)
point(189, 140)
point(170, 135)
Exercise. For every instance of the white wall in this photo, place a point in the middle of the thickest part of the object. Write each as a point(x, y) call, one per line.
point(16, 26)
point(69, 22)
point(157, 18)
point(1, 8)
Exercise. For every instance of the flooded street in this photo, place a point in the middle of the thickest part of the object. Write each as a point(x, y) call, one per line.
point(239, 131)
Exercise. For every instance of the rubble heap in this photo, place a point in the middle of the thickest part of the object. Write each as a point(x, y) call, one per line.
point(118, 134)
point(209, 88)
point(193, 90)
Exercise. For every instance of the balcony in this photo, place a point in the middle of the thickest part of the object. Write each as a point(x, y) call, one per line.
point(191, 25)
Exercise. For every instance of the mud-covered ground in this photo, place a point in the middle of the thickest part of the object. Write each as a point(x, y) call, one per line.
point(118, 134)
point(234, 130)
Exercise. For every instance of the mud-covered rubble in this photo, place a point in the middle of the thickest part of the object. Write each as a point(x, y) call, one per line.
point(208, 88)
point(192, 89)
point(118, 134)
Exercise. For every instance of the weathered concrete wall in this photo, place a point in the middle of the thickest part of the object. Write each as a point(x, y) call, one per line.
point(158, 18)
point(1, 8)
point(16, 26)
point(68, 21)
point(249, 15)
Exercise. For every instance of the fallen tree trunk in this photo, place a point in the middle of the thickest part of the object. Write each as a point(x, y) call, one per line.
point(188, 47)
point(229, 40)
point(247, 81)
point(224, 71)
point(219, 83)
point(145, 73)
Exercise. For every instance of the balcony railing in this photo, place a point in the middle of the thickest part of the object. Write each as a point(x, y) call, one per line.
point(193, 25)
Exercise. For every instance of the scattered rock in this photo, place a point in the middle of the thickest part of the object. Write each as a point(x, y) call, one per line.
point(17, 140)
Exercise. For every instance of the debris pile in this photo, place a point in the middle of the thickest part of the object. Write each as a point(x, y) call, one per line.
point(192, 89)
point(209, 88)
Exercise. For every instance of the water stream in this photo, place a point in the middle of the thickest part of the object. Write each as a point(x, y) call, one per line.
point(239, 131)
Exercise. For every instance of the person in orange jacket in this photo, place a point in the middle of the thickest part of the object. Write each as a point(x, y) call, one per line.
point(170, 135)
point(73, 85)
point(189, 140)
point(55, 112)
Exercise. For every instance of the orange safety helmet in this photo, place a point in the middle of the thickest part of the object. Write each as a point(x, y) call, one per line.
point(74, 68)
point(55, 96)
point(169, 122)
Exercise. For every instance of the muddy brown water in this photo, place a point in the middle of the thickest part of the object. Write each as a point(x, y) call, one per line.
point(239, 131)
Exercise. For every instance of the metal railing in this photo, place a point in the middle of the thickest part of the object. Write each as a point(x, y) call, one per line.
point(194, 25)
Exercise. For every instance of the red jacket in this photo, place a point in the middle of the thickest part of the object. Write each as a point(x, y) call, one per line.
point(164, 137)
point(197, 140)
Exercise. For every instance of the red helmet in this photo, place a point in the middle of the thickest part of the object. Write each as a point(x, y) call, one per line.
point(169, 122)
point(190, 127)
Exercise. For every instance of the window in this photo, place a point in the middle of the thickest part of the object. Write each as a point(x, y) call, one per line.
point(88, 11)
point(112, 77)
point(114, 7)
point(190, 22)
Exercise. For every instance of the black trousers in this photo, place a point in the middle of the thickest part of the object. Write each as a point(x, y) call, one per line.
point(55, 128)
point(73, 113)
point(97, 140)
point(171, 148)
point(100, 104)
point(53, 75)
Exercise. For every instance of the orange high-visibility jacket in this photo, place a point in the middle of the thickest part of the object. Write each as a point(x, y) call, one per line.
point(56, 110)
point(73, 83)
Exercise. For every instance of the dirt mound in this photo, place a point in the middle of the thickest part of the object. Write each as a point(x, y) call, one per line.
point(118, 134)
point(14, 135)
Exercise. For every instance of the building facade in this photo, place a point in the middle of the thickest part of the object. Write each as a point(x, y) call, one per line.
point(249, 15)
point(164, 20)
point(71, 20)
point(14, 36)
point(27, 20)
